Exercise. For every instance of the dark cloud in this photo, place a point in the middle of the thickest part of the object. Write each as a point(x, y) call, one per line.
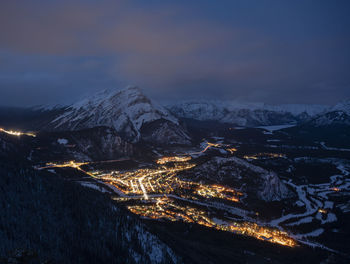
point(253, 50)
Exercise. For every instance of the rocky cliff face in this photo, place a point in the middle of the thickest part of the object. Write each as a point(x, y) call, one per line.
point(239, 174)
point(273, 189)
point(99, 143)
point(163, 132)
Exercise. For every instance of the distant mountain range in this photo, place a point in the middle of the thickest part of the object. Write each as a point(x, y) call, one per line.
point(137, 118)
point(260, 114)
point(129, 110)
point(338, 115)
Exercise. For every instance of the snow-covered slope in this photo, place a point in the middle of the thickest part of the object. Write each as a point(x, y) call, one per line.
point(245, 114)
point(336, 115)
point(342, 106)
point(330, 119)
point(126, 111)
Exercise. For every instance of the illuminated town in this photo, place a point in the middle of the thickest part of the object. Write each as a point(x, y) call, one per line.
point(159, 193)
point(165, 160)
point(165, 208)
point(174, 132)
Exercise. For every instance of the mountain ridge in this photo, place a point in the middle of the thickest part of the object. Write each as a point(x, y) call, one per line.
point(126, 111)
point(245, 114)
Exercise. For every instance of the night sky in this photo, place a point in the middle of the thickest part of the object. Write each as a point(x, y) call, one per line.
point(271, 51)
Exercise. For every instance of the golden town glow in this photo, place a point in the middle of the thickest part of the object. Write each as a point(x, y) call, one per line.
point(16, 133)
point(249, 157)
point(322, 211)
point(71, 164)
point(165, 160)
point(166, 196)
point(217, 191)
point(231, 150)
point(165, 208)
point(264, 156)
point(336, 189)
point(262, 233)
point(209, 145)
point(163, 180)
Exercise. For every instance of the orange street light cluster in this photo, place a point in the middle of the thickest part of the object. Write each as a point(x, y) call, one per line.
point(260, 232)
point(209, 145)
point(165, 208)
point(217, 191)
point(322, 211)
point(167, 196)
point(231, 150)
point(336, 189)
point(165, 160)
point(71, 164)
point(164, 180)
point(264, 156)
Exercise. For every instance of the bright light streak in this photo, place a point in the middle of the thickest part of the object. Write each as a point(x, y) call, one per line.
point(231, 150)
point(143, 188)
point(16, 133)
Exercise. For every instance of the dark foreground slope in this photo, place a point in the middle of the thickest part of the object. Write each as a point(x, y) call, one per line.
point(64, 222)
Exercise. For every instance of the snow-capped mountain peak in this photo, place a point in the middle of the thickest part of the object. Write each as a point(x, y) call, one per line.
point(130, 101)
point(125, 110)
point(342, 106)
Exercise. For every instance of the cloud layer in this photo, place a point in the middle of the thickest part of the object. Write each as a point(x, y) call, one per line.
point(250, 50)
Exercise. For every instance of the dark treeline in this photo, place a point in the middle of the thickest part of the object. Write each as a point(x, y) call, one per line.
point(64, 222)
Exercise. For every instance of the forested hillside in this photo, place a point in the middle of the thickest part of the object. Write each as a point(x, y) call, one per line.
point(63, 222)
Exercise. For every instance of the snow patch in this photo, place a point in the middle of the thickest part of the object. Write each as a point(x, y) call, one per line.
point(276, 127)
point(93, 186)
point(62, 141)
